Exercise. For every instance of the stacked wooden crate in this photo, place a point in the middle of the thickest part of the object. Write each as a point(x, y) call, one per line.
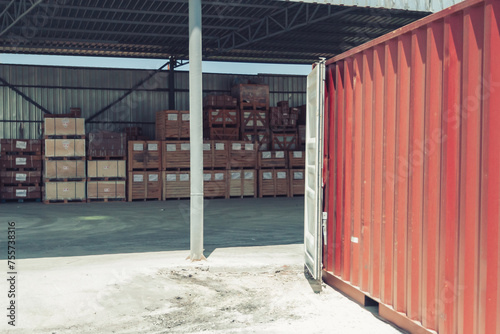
point(272, 168)
point(253, 106)
point(242, 176)
point(64, 170)
point(297, 162)
point(175, 169)
point(106, 167)
point(144, 170)
point(283, 125)
point(221, 117)
point(20, 170)
point(176, 164)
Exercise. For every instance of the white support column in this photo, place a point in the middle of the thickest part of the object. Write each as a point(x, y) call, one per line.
point(196, 130)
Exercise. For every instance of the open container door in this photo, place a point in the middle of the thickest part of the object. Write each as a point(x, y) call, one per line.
point(313, 182)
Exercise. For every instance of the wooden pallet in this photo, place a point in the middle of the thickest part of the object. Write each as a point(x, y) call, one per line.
point(63, 137)
point(105, 200)
point(23, 169)
point(67, 179)
point(65, 158)
point(20, 200)
point(64, 201)
point(144, 155)
point(275, 182)
point(297, 182)
point(272, 159)
point(21, 153)
point(242, 183)
point(242, 155)
point(106, 179)
point(144, 185)
point(120, 157)
point(21, 184)
point(297, 159)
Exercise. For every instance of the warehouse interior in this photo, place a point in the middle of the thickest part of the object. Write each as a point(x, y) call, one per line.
point(110, 148)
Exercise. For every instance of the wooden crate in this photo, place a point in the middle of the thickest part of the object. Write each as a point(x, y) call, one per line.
point(297, 159)
point(65, 191)
point(33, 162)
point(220, 101)
point(106, 190)
point(272, 159)
point(64, 126)
point(107, 144)
point(176, 155)
point(274, 182)
point(207, 154)
point(242, 155)
point(20, 146)
point(172, 124)
point(262, 138)
point(251, 95)
point(144, 155)
point(301, 137)
point(285, 141)
point(20, 177)
point(221, 117)
point(220, 153)
point(222, 133)
point(64, 147)
point(215, 183)
point(20, 192)
point(144, 185)
point(254, 120)
point(176, 184)
point(106, 169)
point(64, 169)
point(297, 182)
point(242, 183)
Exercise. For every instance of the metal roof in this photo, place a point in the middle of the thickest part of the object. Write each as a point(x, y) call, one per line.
point(243, 30)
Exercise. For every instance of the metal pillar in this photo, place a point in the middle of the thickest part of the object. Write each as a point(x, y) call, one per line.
point(171, 83)
point(196, 130)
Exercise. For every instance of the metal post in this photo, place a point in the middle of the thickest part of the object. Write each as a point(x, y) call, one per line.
point(171, 84)
point(196, 130)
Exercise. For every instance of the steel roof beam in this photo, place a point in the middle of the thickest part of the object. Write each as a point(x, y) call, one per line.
point(14, 12)
point(285, 20)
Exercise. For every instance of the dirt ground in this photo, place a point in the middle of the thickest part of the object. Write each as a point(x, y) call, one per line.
point(238, 290)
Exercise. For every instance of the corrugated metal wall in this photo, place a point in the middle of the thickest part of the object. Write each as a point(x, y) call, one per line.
point(413, 149)
point(60, 88)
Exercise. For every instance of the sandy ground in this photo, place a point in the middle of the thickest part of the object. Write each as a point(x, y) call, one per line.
point(237, 290)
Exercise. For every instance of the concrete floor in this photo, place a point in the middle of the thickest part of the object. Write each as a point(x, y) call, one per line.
point(59, 230)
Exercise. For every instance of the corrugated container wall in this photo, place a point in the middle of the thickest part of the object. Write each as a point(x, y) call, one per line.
point(59, 88)
point(413, 170)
